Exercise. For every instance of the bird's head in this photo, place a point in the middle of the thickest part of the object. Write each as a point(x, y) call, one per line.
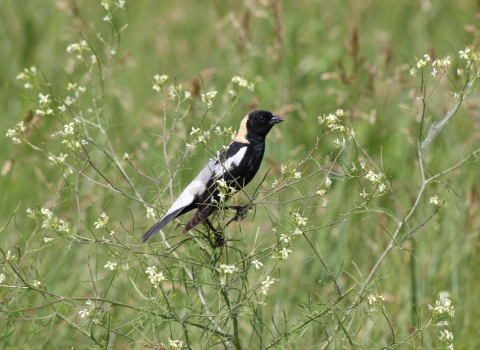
point(257, 124)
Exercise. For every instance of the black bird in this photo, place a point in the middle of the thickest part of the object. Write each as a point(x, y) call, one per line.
point(236, 165)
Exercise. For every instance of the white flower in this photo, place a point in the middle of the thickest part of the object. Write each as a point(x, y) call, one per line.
point(446, 335)
point(265, 285)
point(105, 5)
point(382, 187)
point(154, 277)
point(151, 212)
point(160, 79)
point(465, 54)
point(328, 182)
point(46, 213)
point(299, 220)
point(421, 63)
point(69, 129)
point(297, 175)
point(107, 19)
point(11, 133)
point(363, 194)
point(434, 200)
point(37, 283)
point(47, 239)
point(44, 99)
point(2, 277)
point(284, 252)
point(102, 221)
point(413, 72)
point(434, 72)
point(188, 95)
point(372, 176)
point(175, 344)
point(257, 264)
point(30, 213)
point(228, 269)
point(110, 265)
point(9, 256)
point(331, 118)
point(339, 143)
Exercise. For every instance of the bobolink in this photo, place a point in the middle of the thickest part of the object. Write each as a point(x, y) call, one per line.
point(236, 165)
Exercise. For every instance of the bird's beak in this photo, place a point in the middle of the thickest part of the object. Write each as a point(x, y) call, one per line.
point(275, 120)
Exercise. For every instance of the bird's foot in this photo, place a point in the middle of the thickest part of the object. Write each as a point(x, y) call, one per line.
point(219, 239)
point(241, 211)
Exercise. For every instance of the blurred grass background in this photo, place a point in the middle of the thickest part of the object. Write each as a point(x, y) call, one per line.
point(308, 58)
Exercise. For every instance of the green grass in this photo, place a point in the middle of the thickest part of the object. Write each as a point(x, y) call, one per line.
point(305, 63)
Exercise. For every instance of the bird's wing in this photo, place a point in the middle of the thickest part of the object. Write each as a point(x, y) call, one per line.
point(226, 167)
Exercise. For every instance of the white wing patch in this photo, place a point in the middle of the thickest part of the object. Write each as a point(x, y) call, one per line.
point(199, 184)
point(220, 168)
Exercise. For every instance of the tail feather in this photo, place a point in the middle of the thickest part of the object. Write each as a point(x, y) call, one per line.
point(161, 224)
point(201, 214)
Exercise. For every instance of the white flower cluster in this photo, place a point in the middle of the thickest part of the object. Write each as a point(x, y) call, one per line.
point(438, 64)
point(114, 266)
point(27, 77)
point(50, 222)
point(258, 265)
point(88, 312)
point(374, 300)
point(228, 269)
point(175, 344)
point(19, 130)
point(229, 132)
point(443, 308)
point(224, 190)
point(288, 172)
point(78, 49)
point(325, 187)
point(243, 83)
point(437, 202)
point(378, 180)
point(159, 81)
point(266, 283)
point(209, 98)
point(334, 124)
point(155, 278)
point(151, 212)
point(299, 222)
point(102, 221)
point(201, 137)
point(106, 4)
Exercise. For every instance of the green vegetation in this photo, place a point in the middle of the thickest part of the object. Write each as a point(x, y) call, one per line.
point(91, 149)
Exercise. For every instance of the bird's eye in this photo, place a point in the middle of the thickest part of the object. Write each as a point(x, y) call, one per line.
point(262, 118)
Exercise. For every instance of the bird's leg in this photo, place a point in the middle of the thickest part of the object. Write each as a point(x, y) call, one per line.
point(241, 211)
point(219, 239)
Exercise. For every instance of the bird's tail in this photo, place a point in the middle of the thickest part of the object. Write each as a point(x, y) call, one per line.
point(161, 224)
point(201, 214)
